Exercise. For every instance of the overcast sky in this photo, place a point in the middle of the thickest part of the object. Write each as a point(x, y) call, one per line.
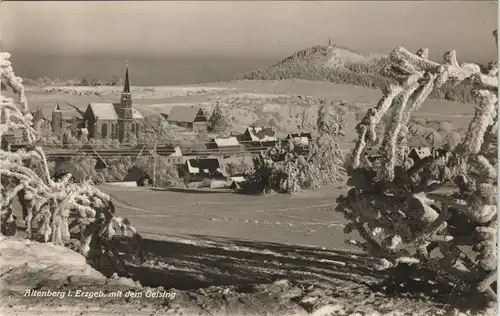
point(247, 28)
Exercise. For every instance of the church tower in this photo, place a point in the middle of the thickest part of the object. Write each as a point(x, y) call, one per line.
point(126, 123)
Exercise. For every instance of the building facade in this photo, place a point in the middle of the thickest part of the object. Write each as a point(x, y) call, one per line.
point(190, 117)
point(114, 120)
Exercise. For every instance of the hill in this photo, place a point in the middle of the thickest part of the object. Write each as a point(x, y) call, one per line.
point(342, 65)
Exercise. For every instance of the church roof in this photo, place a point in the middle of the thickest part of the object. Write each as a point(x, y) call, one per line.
point(183, 114)
point(104, 111)
point(110, 111)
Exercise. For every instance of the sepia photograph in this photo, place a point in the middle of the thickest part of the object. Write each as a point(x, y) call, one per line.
point(248, 158)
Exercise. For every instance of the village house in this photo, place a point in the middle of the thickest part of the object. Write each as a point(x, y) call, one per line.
point(114, 120)
point(13, 140)
point(139, 176)
point(419, 153)
point(224, 143)
point(172, 153)
point(300, 138)
point(199, 169)
point(440, 152)
point(64, 120)
point(259, 136)
point(190, 117)
point(236, 182)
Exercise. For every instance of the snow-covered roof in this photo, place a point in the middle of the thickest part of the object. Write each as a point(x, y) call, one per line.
point(110, 111)
point(238, 179)
point(299, 134)
point(303, 140)
point(226, 141)
point(104, 111)
point(422, 152)
point(192, 169)
point(183, 114)
point(259, 134)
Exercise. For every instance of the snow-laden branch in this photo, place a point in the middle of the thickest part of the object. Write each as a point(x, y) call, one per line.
point(389, 204)
point(50, 204)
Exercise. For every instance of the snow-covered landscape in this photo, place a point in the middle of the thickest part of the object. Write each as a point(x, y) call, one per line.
point(333, 182)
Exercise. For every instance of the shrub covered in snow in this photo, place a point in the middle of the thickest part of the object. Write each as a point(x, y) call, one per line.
point(396, 204)
point(287, 168)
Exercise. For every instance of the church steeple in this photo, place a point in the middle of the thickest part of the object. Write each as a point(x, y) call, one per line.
point(126, 99)
point(126, 85)
point(126, 124)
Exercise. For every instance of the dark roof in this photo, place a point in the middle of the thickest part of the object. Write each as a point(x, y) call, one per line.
point(373, 158)
point(184, 114)
point(136, 174)
point(212, 164)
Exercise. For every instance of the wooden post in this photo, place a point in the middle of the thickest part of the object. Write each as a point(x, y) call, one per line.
point(154, 163)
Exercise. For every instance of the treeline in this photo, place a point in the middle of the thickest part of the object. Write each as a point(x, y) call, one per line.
point(46, 81)
point(304, 65)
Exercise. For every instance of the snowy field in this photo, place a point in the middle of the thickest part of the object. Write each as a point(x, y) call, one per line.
point(305, 219)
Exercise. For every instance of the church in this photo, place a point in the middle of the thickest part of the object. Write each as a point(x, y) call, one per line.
point(114, 120)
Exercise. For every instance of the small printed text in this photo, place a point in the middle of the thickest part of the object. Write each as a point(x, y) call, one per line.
point(100, 294)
